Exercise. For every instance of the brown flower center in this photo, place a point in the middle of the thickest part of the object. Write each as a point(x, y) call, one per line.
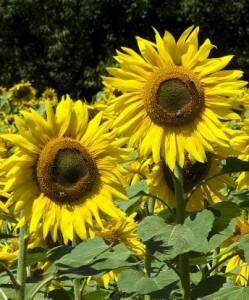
point(173, 96)
point(65, 170)
point(193, 173)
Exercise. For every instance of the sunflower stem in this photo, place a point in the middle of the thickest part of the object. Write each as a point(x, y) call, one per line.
point(76, 281)
point(180, 218)
point(21, 260)
point(148, 256)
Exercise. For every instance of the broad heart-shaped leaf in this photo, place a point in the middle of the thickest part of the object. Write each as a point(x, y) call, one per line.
point(244, 245)
point(167, 241)
point(233, 164)
point(94, 257)
point(131, 281)
point(82, 254)
point(229, 292)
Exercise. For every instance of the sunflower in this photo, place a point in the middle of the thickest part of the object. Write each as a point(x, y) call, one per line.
point(116, 231)
point(9, 252)
point(102, 103)
point(162, 185)
point(64, 170)
point(173, 97)
point(240, 143)
point(237, 264)
point(120, 230)
point(138, 169)
point(50, 94)
point(22, 92)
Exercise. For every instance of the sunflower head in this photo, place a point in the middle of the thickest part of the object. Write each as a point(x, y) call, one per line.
point(71, 168)
point(22, 92)
point(174, 97)
point(50, 94)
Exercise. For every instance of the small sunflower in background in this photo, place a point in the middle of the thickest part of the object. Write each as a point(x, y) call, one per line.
point(22, 92)
point(210, 192)
point(8, 252)
point(49, 94)
point(102, 102)
point(173, 97)
point(241, 144)
point(237, 264)
point(116, 231)
point(65, 170)
point(138, 169)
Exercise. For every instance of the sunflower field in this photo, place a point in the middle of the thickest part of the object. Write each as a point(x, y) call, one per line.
point(140, 194)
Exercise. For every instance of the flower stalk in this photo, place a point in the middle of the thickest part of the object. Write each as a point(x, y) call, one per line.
point(148, 257)
point(76, 281)
point(180, 217)
point(21, 262)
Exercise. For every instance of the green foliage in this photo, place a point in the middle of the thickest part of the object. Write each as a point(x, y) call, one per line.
point(98, 258)
point(167, 241)
point(131, 281)
point(229, 292)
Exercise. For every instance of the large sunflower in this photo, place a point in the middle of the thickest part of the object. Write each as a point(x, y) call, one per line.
point(64, 169)
point(174, 96)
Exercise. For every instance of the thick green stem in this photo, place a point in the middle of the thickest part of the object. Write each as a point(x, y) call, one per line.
point(21, 261)
point(180, 217)
point(76, 281)
point(148, 257)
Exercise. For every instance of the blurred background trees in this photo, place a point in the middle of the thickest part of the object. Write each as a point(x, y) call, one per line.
point(66, 44)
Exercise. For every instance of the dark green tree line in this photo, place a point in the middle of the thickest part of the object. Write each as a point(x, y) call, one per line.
point(66, 44)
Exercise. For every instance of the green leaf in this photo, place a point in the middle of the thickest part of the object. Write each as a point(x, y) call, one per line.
point(229, 293)
point(171, 240)
point(216, 240)
point(243, 244)
point(83, 253)
point(233, 164)
point(59, 294)
point(58, 252)
point(36, 255)
point(131, 281)
point(127, 206)
point(208, 286)
point(93, 258)
point(4, 98)
point(200, 226)
point(140, 188)
point(97, 295)
point(8, 217)
point(151, 226)
point(224, 212)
